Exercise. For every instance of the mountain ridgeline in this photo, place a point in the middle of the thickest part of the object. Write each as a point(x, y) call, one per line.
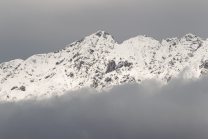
point(99, 62)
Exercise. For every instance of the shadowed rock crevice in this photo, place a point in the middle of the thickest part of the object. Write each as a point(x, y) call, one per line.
point(206, 64)
point(111, 66)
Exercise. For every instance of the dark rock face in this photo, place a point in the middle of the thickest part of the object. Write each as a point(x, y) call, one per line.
point(80, 65)
point(15, 87)
point(111, 66)
point(71, 74)
point(206, 64)
point(94, 84)
point(127, 64)
point(22, 88)
point(99, 34)
point(127, 78)
point(76, 55)
point(132, 79)
point(57, 63)
point(174, 44)
point(108, 79)
point(105, 35)
point(122, 63)
point(189, 37)
point(91, 51)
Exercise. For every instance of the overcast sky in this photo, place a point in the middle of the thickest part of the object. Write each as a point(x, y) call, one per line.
point(30, 27)
point(132, 111)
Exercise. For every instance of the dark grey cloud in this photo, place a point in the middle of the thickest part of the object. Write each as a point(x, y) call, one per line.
point(32, 27)
point(148, 111)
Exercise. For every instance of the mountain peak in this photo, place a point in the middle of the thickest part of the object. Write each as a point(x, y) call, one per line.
point(100, 37)
point(97, 61)
point(190, 37)
point(102, 34)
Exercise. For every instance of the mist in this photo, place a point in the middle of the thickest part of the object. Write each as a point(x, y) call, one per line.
point(148, 110)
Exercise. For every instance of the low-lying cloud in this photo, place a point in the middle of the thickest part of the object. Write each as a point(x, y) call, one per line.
point(146, 111)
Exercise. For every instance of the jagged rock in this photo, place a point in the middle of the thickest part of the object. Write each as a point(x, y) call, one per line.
point(168, 79)
point(206, 64)
point(120, 65)
point(91, 62)
point(108, 79)
point(80, 65)
point(91, 51)
point(76, 55)
point(111, 66)
point(116, 78)
point(22, 88)
point(57, 63)
point(15, 87)
point(71, 74)
point(131, 79)
point(127, 64)
point(99, 33)
point(95, 84)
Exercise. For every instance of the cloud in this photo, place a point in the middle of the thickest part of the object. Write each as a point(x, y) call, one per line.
point(147, 111)
point(33, 27)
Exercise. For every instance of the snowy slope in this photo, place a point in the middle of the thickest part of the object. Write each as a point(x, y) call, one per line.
point(99, 62)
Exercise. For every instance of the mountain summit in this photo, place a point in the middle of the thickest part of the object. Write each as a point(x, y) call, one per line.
point(99, 62)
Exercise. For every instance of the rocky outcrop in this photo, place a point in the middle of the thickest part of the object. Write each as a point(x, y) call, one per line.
point(111, 66)
point(22, 88)
point(206, 64)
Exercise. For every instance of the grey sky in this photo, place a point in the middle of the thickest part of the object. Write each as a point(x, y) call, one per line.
point(175, 111)
point(41, 26)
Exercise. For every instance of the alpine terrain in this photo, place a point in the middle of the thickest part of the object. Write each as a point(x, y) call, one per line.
point(99, 62)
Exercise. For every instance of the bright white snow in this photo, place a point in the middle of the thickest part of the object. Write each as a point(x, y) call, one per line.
point(99, 62)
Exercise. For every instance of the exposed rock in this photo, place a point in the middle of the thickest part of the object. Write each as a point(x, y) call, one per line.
point(85, 63)
point(80, 65)
point(127, 64)
point(91, 51)
point(22, 88)
point(116, 77)
point(206, 64)
point(99, 33)
point(57, 63)
point(94, 84)
point(15, 87)
point(108, 79)
point(71, 74)
point(76, 55)
point(111, 66)
point(120, 65)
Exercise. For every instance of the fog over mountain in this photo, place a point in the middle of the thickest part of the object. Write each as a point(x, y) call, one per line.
point(147, 111)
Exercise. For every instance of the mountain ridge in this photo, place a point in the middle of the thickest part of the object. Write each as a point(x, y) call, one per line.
point(99, 62)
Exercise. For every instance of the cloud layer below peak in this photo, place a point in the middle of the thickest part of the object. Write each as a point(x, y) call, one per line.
point(148, 111)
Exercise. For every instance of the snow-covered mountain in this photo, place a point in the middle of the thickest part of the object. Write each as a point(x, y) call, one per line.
point(99, 62)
